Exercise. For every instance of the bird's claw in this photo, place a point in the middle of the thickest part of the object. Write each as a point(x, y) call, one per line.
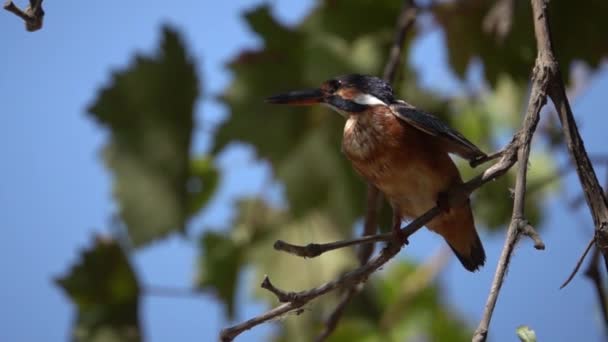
point(400, 236)
point(443, 201)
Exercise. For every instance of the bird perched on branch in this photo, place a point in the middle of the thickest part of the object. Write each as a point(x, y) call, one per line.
point(404, 153)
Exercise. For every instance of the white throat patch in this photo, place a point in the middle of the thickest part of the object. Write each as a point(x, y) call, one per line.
point(368, 100)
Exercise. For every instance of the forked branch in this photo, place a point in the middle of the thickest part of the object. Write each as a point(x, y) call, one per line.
point(32, 15)
point(294, 301)
point(547, 81)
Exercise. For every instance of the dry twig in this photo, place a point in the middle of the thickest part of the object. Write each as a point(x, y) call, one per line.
point(33, 14)
point(547, 81)
point(593, 273)
point(578, 264)
point(296, 300)
point(405, 21)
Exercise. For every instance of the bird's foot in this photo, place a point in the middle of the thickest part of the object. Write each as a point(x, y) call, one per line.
point(399, 235)
point(443, 201)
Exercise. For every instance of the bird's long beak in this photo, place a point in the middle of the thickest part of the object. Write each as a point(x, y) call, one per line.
point(298, 98)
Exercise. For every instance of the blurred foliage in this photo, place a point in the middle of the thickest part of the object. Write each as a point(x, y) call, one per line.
point(576, 30)
point(408, 308)
point(148, 109)
point(249, 244)
point(104, 288)
point(526, 334)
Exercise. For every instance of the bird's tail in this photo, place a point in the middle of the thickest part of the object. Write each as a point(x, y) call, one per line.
point(458, 230)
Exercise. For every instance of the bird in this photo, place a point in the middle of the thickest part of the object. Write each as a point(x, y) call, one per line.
point(402, 151)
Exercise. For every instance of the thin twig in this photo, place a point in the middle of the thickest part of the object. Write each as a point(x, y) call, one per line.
point(405, 22)
point(518, 223)
point(312, 250)
point(499, 19)
point(32, 16)
point(578, 264)
point(529, 231)
point(476, 162)
point(11, 7)
point(413, 285)
point(547, 71)
point(594, 196)
point(593, 273)
point(334, 318)
point(455, 197)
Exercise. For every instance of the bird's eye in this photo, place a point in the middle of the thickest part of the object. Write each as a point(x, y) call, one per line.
point(333, 85)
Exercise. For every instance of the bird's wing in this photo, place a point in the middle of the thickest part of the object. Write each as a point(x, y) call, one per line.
point(451, 140)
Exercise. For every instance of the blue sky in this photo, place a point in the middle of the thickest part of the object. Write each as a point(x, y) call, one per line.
point(55, 192)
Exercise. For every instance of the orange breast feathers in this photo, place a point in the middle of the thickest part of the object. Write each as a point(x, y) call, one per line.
point(411, 170)
point(406, 164)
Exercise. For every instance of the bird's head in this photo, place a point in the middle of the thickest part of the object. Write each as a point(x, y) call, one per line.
point(348, 95)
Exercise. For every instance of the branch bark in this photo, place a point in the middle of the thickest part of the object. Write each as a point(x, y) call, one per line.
point(32, 16)
point(547, 81)
point(405, 21)
point(594, 196)
point(593, 273)
point(294, 301)
point(518, 223)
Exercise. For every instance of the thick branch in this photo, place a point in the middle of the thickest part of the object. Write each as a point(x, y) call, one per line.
point(518, 222)
point(32, 15)
point(594, 196)
point(552, 85)
point(405, 21)
point(593, 273)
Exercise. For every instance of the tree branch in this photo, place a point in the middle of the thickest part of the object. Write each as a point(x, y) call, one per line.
point(578, 264)
point(296, 300)
point(593, 273)
point(547, 81)
point(405, 21)
point(518, 222)
point(594, 196)
point(33, 14)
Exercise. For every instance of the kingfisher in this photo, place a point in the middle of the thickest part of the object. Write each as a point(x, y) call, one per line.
point(404, 152)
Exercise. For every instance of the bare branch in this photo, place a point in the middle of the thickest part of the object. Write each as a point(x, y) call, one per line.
point(476, 162)
point(593, 273)
point(547, 81)
point(499, 19)
point(33, 14)
point(529, 231)
point(312, 250)
point(296, 300)
point(518, 223)
point(578, 264)
point(405, 21)
point(594, 196)
point(412, 286)
point(334, 318)
point(282, 296)
point(404, 24)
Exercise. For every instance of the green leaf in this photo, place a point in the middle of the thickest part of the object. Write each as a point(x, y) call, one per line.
point(303, 144)
point(219, 266)
point(105, 290)
point(526, 334)
point(203, 181)
point(149, 111)
point(575, 30)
